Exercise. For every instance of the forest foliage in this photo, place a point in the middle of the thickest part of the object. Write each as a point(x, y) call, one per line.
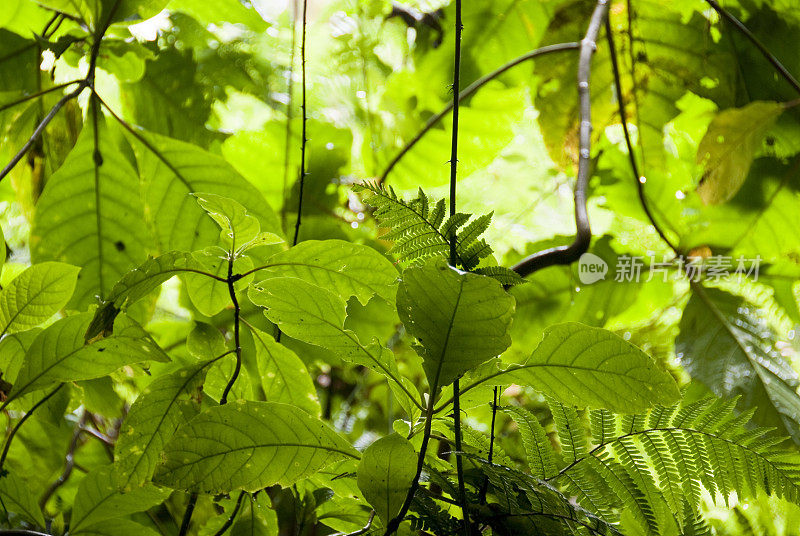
point(299, 268)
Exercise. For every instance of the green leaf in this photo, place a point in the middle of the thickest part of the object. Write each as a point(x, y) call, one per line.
point(99, 500)
point(725, 342)
point(91, 215)
point(345, 268)
point(385, 473)
point(35, 295)
point(137, 284)
point(537, 445)
point(238, 227)
point(120, 527)
point(249, 445)
point(179, 169)
point(729, 146)
point(315, 315)
point(209, 295)
point(256, 518)
point(460, 319)
point(17, 497)
point(153, 418)
point(60, 353)
point(284, 376)
point(584, 366)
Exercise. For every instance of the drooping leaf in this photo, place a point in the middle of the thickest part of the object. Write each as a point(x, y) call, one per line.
point(35, 295)
point(343, 267)
point(152, 420)
point(729, 146)
point(460, 319)
point(99, 500)
point(385, 473)
point(249, 445)
point(726, 343)
point(91, 215)
point(238, 227)
point(284, 376)
point(60, 353)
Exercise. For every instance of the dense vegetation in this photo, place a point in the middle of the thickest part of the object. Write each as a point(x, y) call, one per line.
point(367, 267)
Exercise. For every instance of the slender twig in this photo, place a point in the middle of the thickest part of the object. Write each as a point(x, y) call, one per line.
point(36, 95)
point(236, 328)
point(22, 532)
point(583, 235)
point(468, 92)
point(40, 128)
point(394, 524)
point(21, 422)
point(362, 530)
point(485, 486)
point(231, 518)
point(459, 27)
point(637, 177)
point(187, 515)
point(304, 131)
point(69, 461)
point(289, 115)
point(758, 44)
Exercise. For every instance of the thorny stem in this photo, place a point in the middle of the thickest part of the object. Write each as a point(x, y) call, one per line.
point(305, 120)
point(230, 519)
point(758, 44)
point(468, 92)
point(459, 27)
point(637, 177)
point(583, 236)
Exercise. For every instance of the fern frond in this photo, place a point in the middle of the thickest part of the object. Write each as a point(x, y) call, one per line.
point(657, 461)
point(541, 460)
point(419, 232)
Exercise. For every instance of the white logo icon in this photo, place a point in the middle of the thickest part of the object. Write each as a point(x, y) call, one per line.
point(591, 268)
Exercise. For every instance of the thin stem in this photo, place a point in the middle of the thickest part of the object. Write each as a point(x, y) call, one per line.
point(637, 177)
point(187, 515)
point(69, 461)
point(22, 532)
point(236, 329)
point(38, 94)
point(305, 120)
point(362, 530)
point(394, 524)
point(468, 92)
point(583, 233)
point(459, 27)
point(485, 486)
point(21, 422)
point(230, 519)
point(40, 128)
point(289, 114)
point(758, 44)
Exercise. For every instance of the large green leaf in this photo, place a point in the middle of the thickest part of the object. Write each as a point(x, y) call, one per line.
point(460, 319)
point(99, 500)
point(315, 315)
point(179, 169)
point(729, 146)
point(584, 366)
point(249, 445)
point(385, 472)
point(726, 343)
point(60, 353)
point(284, 376)
point(91, 215)
point(153, 418)
point(347, 269)
point(35, 295)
